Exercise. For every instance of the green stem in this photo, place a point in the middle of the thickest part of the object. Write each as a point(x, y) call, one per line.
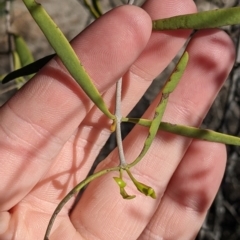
point(74, 191)
point(168, 88)
point(118, 119)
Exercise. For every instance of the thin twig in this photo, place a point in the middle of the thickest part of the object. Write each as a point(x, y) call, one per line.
point(118, 116)
point(73, 192)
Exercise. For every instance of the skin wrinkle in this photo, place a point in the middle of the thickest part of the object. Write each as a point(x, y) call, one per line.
point(173, 221)
point(88, 232)
point(179, 7)
point(88, 141)
point(31, 144)
point(23, 146)
point(89, 235)
point(140, 74)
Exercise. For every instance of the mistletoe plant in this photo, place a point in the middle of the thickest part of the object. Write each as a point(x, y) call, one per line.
point(64, 51)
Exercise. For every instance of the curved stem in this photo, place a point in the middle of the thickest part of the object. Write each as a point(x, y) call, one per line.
point(168, 88)
point(75, 190)
point(92, 10)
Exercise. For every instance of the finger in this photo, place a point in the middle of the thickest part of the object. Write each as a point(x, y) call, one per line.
point(40, 118)
point(189, 194)
point(101, 204)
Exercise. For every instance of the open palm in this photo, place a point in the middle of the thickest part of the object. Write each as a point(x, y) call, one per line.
point(50, 134)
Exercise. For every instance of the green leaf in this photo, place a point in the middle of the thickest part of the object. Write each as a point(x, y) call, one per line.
point(143, 188)
point(159, 111)
point(191, 132)
point(66, 53)
point(202, 20)
point(23, 51)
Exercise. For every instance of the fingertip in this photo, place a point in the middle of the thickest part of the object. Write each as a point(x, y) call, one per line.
point(137, 22)
point(217, 44)
point(113, 43)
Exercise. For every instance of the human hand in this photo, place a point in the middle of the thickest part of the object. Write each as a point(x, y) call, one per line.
point(51, 133)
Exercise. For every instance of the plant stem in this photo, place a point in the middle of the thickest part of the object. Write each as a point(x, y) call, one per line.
point(130, 2)
point(118, 116)
point(118, 120)
point(74, 191)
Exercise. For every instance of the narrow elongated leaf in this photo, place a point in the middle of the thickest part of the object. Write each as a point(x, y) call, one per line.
point(66, 53)
point(169, 87)
point(191, 132)
point(208, 19)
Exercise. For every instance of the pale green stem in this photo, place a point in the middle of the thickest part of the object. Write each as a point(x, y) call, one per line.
point(118, 120)
point(130, 2)
point(73, 192)
point(66, 53)
point(168, 88)
point(118, 116)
